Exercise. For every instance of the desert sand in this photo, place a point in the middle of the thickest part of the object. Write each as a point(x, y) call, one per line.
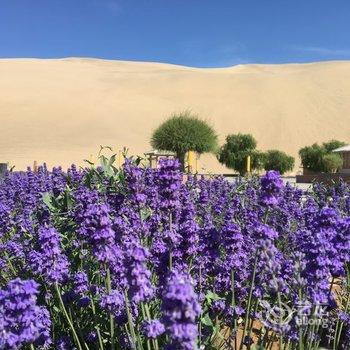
point(60, 111)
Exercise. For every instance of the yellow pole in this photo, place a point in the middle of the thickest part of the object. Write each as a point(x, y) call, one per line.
point(120, 158)
point(191, 158)
point(248, 165)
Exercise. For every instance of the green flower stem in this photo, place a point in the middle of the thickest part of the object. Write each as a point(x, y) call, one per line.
point(280, 339)
point(256, 304)
point(200, 315)
point(300, 294)
point(262, 336)
point(154, 341)
point(10, 264)
point(100, 340)
point(339, 326)
point(233, 303)
point(130, 321)
point(75, 336)
point(145, 317)
point(286, 345)
point(170, 252)
point(246, 321)
point(78, 329)
point(111, 318)
point(314, 330)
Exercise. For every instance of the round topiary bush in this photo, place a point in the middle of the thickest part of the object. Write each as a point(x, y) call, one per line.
point(184, 132)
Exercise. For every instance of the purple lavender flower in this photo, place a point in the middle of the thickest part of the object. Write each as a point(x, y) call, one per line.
point(113, 302)
point(271, 187)
point(180, 309)
point(97, 228)
point(91, 337)
point(232, 261)
point(48, 260)
point(23, 322)
point(153, 328)
point(189, 229)
point(140, 287)
point(5, 215)
point(141, 224)
point(64, 343)
point(135, 181)
point(80, 282)
point(169, 181)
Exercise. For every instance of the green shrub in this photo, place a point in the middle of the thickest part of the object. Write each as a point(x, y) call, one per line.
point(312, 157)
point(332, 145)
point(184, 132)
point(235, 151)
point(320, 158)
point(332, 162)
point(278, 160)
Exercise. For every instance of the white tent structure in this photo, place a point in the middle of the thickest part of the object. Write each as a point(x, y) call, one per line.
point(345, 154)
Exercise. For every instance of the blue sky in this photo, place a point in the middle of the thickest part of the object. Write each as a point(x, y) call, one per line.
point(202, 33)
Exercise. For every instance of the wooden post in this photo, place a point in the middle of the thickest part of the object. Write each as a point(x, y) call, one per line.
point(3, 169)
point(35, 166)
point(248, 165)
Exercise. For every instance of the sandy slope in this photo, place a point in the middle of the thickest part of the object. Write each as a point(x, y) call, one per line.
point(61, 110)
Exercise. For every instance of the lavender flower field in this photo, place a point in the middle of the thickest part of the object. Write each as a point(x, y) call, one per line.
point(140, 258)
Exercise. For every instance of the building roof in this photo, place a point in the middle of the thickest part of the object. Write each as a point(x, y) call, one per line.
point(342, 149)
point(155, 152)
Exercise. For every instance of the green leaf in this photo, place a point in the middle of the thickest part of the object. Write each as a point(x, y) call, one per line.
point(112, 159)
point(145, 213)
point(56, 309)
point(207, 321)
point(212, 296)
point(104, 162)
point(47, 199)
point(68, 199)
point(89, 162)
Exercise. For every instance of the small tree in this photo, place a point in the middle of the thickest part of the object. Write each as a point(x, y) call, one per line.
point(184, 132)
point(332, 145)
point(278, 160)
point(320, 158)
point(332, 162)
point(235, 151)
point(311, 157)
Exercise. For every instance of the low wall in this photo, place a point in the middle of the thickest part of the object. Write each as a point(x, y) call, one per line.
point(322, 177)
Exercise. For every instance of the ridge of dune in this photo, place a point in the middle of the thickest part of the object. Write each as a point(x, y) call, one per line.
point(61, 110)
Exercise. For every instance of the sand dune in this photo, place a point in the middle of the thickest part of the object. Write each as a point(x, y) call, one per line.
point(61, 110)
